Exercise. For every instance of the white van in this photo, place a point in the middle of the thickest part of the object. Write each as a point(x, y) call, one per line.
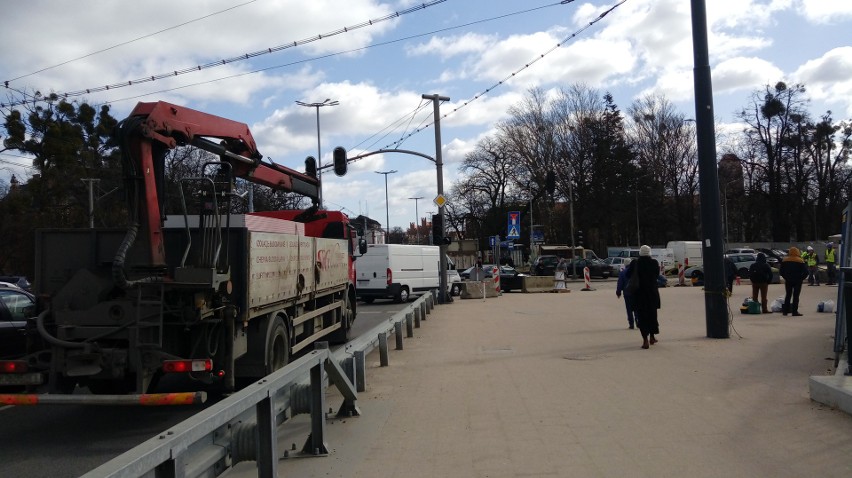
point(396, 271)
point(688, 253)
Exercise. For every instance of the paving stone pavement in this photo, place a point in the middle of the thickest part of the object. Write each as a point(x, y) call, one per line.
point(555, 385)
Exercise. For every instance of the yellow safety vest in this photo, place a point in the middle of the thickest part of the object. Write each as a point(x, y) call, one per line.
point(810, 258)
point(829, 255)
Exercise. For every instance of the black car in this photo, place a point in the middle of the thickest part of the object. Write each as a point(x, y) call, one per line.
point(16, 306)
point(773, 256)
point(545, 265)
point(510, 278)
point(597, 268)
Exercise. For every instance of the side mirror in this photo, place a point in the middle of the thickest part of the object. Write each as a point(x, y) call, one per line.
point(362, 246)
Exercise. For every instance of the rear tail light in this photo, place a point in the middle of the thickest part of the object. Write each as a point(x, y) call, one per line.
point(13, 366)
point(186, 366)
point(390, 276)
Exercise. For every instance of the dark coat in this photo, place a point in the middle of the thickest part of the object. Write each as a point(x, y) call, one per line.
point(793, 269)
point(648, 296)
point(760, 272)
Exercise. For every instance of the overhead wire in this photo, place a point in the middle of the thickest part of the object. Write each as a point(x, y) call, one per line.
point(174, 27)
point(226, 61)
point(525, 67)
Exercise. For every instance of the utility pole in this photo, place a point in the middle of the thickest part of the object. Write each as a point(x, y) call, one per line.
point(439, 165)
point(318, 105)
point(715, 302)
point(91, 182)
point(387, 204)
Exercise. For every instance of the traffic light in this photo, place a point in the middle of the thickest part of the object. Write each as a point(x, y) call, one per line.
point(339, 156)
point(311, 166)
point(579, 238)
point(437, 229)
point(550, 182)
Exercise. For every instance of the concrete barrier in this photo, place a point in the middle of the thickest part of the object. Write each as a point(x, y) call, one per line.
point(473, 289)
point(537, 284)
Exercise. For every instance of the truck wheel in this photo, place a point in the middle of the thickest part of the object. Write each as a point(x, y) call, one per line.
point(342, 335)
point(402, 295)
point(277, 347)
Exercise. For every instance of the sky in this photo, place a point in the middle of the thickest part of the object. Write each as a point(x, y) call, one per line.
point(378, 58)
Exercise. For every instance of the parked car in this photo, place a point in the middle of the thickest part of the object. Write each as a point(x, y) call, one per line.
point(510, 278)
point(19, 281)
point(773, 256)
point(454, 282)
point(545, 265)
point(597, 267)
point(16, 306)
point(741, 250)
point(742, 262)
point(616, 264)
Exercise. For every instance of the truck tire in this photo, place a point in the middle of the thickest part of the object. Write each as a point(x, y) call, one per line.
point(277, 347)
point(344, 333)
point(402, 295)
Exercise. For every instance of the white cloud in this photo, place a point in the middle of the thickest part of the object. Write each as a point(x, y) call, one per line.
point(447, 47)
point(826, 11)
point(829, 77)
point(744, 74)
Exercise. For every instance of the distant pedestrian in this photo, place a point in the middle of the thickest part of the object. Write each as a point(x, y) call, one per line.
point(830, 263)
point(794, 271)
point(760, 275)
point(811, 260)
point(647, 297)
point(621, 289)
point(730, 274)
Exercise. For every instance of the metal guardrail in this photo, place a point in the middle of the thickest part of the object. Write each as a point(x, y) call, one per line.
point(243, 426)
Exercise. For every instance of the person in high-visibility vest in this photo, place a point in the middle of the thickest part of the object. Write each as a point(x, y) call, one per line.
point(830, 263)
point(811, 259)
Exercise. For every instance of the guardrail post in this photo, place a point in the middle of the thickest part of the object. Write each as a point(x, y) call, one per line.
point(315, 444)
point(397, 331)
point(417, 317)
point(267, 446)
point(409, 325)
point(348, 366)
point(424, 309)
point(383, 349)
point(360, 371)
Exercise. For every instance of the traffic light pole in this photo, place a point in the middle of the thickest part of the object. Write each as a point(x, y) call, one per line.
point(439, 166)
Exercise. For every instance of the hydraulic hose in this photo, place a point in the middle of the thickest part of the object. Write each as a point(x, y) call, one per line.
point(51, 339)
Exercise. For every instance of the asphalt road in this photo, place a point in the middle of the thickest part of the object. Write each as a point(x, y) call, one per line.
point(69, 440)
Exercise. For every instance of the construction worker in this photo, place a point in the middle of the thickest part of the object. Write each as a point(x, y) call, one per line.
point(811, 260)
point(830, 263)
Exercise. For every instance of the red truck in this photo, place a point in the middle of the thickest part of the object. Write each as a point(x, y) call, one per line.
point(213, 296)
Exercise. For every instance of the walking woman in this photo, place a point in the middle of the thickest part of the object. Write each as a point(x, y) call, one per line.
point(646, 300)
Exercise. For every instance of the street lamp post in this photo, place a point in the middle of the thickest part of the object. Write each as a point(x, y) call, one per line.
point(416, 219)
point(387, 204)
point(318, 105)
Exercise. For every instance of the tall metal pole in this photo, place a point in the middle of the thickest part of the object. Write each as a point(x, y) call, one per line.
point(416, 219)
point(439, 165)
point(91, 182)
point(638, 241)
point(715, 303)
point(387, 204)
point(318, 105)
point(532, 256)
